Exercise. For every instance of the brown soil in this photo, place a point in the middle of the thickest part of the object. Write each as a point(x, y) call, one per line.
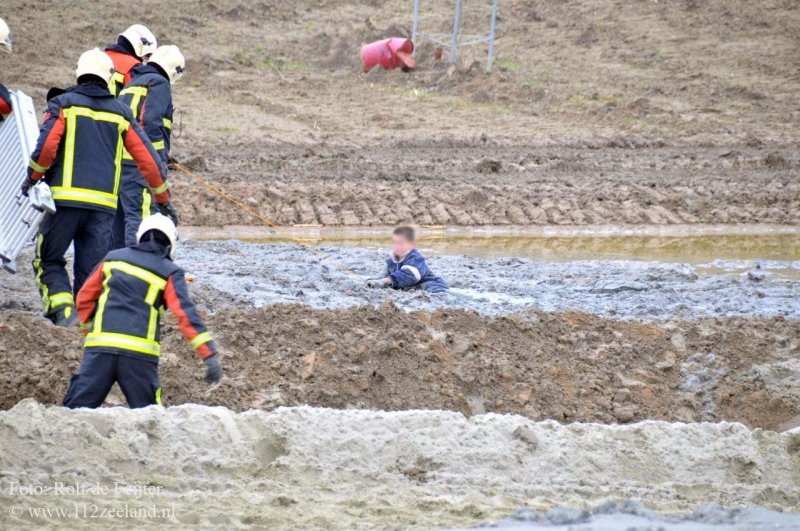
point(597, 112)
point(526, 185)
point(570, 367)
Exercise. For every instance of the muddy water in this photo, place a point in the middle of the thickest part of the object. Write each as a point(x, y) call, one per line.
point(258, 274)
point(678, 243)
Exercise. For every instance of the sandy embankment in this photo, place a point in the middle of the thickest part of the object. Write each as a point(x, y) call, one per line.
point(213, 466)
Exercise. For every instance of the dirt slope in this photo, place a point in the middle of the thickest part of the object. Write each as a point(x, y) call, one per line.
point(570, 367)
point(597, 112)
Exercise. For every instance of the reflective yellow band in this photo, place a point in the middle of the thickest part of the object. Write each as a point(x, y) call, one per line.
point(136, 344)
point(200, 339)
point(158, 397)
point(71, 116)
point(147, 203)
point(158, 146)
point(100, 116)
point(167, 123)
point(85, 195)
point(118, 77)
point(37, 266)
point(36, 167)
point(138, 272)
point(61, 299)
point(161, 189)
point(136, 91)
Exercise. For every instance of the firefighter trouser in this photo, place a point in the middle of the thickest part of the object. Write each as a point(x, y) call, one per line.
point(90, 230)
point(138, 379)
point(135, 203)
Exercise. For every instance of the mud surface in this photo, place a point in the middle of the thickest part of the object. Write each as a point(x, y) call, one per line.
point(415, 469)
point(257, 275)
point(570, 366)
point(694, 244)
point(532, 186)
point(668, 112)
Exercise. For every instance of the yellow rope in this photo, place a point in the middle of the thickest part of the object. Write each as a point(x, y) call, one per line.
point(208, 184)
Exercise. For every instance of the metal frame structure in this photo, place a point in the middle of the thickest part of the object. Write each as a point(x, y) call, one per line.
point(454, 39)
point(19, 219)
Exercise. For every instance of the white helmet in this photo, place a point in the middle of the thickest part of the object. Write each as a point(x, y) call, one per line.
point(142, 39)
point(170, 59)
point(162, 224)
point(5, 37)
point(96, 63)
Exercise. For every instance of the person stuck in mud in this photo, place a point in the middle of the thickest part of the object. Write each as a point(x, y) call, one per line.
point(406, 267)
point(119, 308)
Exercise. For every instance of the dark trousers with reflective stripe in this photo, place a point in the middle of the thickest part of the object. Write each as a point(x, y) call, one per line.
point(90, 230)
point(135, 203)
point(138, 379)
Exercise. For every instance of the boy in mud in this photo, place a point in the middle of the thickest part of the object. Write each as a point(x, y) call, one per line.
point(120, 306)
point(406, 268)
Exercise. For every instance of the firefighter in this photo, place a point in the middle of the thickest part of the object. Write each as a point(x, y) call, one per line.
point(120, 308)
point(133, 46)
point(80, 148)
point(5, 46)
point(149, 95)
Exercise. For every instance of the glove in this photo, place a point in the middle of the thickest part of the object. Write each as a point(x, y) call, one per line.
point(27, 185)
point(379, 282)
point(172, 161)
point(213, 369)
point(169, 210)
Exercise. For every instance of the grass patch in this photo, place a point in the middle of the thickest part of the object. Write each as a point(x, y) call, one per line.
point(509, 64)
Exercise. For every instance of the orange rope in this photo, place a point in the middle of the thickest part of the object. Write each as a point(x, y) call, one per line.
point(208, 184)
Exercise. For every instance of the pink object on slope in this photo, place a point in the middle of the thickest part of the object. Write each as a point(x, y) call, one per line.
point(389, 53)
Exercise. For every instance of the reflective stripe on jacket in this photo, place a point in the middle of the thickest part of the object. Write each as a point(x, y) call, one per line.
point(411, 271)
point(149, 96)
point(123, 64)
point(120, 305)
point(80, 147)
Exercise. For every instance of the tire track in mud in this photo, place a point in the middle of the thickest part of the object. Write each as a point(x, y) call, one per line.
point(565, 366)
point(584, 186)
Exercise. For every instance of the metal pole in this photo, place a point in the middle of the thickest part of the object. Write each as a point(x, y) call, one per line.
point(415, 25)
point(491, 37)
point(456, 31)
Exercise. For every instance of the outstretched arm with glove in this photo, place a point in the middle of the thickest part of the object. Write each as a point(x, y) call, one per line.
point(176, 296)
point(151, 167)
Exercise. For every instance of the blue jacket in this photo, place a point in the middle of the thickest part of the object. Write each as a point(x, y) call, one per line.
point(84, 134)
point(121, 303)
point(149, 96)
point(411, 271)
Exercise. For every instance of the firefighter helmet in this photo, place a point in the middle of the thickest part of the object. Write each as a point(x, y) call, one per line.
point(96, 63)
point(170, 59)
point(142, 39)
point(5, 37)
point(162, 224)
